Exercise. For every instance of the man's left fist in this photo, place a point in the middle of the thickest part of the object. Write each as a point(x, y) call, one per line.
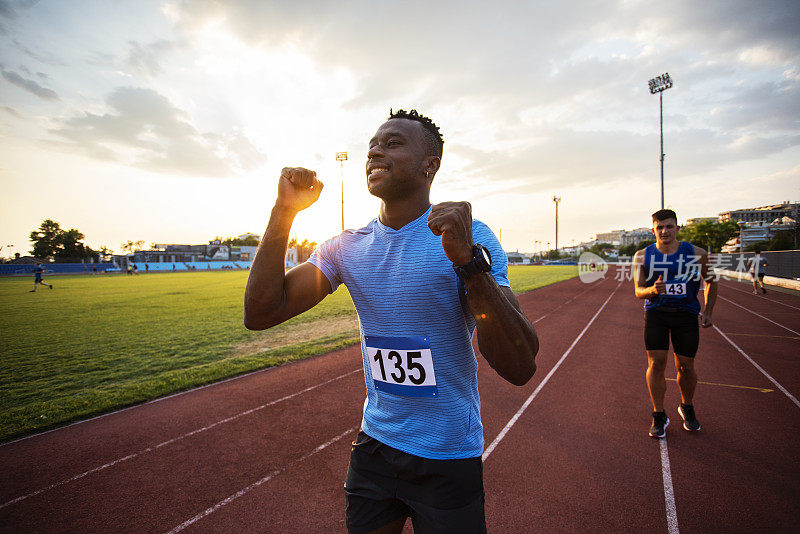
point(453, 221)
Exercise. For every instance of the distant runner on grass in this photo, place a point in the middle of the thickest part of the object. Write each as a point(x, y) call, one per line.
point(668, 274)
point(421, 278)
point(37, 278)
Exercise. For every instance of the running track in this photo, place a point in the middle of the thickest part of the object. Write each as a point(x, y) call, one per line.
point(267, 452)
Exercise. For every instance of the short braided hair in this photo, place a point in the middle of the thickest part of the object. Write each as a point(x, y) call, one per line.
point(433, 137)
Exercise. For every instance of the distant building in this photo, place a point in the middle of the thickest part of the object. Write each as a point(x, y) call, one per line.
point(631, 237)
point(625, 237)
point(214, 251)
point(291, 257)
point(25, 260)
point(245, 253)
point(755, 232)
point(763, 214)
point(614, 237)
point(172, 253)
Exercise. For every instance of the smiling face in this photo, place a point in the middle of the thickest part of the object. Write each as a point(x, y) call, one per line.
point(398, 163)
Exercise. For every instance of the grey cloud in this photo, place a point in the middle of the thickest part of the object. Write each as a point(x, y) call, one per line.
point(159, 136)
point(6, 10)
point(770, 106)
point(13, 112)
point(585, 158)
point(46, 58)
point(40, 75)
point(29, 85)
point(103, 59)
point(719, 29)
point(145, 59)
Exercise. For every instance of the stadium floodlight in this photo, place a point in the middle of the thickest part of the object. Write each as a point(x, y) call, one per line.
point(742, 226)
point(659, 84)
point(341, 157)
point(556, 199)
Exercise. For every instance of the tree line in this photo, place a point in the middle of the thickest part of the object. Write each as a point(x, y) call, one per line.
point(52, 241)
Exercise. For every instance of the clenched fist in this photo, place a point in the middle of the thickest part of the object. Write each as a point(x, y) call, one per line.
point(453, 221)
point(298, 188)
point(660, 286)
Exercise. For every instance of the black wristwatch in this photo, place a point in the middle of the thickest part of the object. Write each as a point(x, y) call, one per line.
point(481, 263)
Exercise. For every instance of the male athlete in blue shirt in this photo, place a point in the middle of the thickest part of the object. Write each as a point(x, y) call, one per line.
point(37, 277)
point(668, 274)
point(422, 278)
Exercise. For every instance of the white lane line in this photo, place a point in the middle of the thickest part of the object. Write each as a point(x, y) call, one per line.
point(237, 377)
point(173, 440)
point(728, 286)
point(257, 483)
point(743, 353)
point(765, 318)
point(527, 403)
point(761, 296)
point(669, 493)
point(562, 304)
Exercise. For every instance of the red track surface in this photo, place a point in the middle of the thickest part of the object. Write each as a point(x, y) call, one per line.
point(268, 452)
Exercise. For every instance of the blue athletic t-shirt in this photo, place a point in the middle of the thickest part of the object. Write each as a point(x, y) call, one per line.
point(680, 271)
point(416, 337)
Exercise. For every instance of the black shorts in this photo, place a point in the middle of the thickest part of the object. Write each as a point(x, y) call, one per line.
point(385, 484)
point(681, 326)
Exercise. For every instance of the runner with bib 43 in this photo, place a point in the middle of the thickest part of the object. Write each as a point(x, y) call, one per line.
point(668, 275)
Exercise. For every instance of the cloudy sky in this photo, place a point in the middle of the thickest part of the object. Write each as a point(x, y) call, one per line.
point(169, 121)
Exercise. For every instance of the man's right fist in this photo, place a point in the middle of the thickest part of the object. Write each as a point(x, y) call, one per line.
point(660, 285)
point(298, 188)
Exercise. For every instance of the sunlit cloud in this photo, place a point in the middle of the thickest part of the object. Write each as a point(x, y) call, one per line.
point(146, 59)
point(144, 129)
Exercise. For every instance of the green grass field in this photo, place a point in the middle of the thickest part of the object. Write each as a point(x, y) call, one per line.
point(99, 343)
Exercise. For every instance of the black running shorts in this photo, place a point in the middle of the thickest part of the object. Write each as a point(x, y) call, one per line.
point(385, 484)
point(682, 326)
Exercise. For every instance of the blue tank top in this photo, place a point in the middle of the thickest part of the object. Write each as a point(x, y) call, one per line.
point(680, 271)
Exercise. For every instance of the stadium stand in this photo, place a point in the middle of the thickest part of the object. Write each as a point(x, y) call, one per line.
point(11, 269)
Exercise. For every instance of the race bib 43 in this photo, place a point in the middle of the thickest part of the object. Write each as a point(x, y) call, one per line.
point(676, 289)
point(402, 365)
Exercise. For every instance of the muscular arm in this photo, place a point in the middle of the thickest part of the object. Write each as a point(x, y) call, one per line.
point(505, 336)
point(640, 287)
point(710, 290)
point(273, 295)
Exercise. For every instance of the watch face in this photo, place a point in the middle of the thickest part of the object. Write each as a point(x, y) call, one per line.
point(487, 258)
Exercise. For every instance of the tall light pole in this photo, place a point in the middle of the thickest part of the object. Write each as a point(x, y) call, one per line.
point(659, 84)
point(341, 157)
point(556, 199)
point(741, 224)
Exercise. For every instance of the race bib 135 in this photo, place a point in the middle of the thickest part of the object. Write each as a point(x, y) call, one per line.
point(402, 365)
